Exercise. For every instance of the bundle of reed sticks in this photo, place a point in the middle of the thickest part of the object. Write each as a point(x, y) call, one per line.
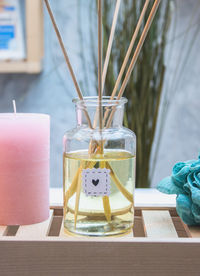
point(102, 77)
point(106, 119)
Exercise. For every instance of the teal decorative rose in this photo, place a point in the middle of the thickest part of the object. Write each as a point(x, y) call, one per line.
point(185, 182)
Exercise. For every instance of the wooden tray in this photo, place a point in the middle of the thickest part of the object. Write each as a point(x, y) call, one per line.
point(161, 244)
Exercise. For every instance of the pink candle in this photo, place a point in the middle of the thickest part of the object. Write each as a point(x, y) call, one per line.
point(24, 168)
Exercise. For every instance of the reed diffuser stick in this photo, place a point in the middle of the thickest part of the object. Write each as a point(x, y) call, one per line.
point(130, 48)
point(67, 59)
point(100, 62)
point(118, 184)
point(77, 185)
point(139, 47)
point(78, 192)
point(135, 56)
point(105, 199)
point(108, 52)
point(110, 42)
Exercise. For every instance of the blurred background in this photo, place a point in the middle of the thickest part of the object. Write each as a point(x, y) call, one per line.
point(163, 92)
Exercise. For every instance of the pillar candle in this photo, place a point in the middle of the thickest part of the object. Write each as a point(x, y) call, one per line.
point(24, 168)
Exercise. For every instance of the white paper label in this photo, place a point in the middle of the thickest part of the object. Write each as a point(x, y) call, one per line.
point(96, 182)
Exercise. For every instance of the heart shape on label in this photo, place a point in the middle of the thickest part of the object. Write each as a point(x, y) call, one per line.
point(95, 182)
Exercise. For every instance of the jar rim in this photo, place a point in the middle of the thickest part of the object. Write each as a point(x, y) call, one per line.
point(106, 101)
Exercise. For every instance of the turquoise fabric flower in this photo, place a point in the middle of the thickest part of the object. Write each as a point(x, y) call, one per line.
point(185, 182)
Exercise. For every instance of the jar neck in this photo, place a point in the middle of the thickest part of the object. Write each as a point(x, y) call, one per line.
point(87, 112)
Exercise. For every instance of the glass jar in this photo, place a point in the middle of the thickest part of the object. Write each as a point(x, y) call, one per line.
point(99, 171)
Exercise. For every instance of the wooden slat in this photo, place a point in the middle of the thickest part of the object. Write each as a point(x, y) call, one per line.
point(38, 230)
point(99, 258)
point(2, 230)
point(158, 224)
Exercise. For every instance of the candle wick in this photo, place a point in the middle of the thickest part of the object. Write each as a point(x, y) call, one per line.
point(14, 106)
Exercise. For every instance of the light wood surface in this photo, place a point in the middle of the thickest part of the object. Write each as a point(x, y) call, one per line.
point(158, 224)
point(38, 230)
point(143, 198)
point(99, 258)
point(34, 31)
point(20, 67)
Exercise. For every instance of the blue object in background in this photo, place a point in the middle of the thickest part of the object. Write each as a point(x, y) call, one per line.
point(7, 32)
point(9, 8)
point(185, 182)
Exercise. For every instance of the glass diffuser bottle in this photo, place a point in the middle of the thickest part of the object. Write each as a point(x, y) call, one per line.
point(99, 171)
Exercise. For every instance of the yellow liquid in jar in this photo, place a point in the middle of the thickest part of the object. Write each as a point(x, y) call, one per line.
point(91, 219)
